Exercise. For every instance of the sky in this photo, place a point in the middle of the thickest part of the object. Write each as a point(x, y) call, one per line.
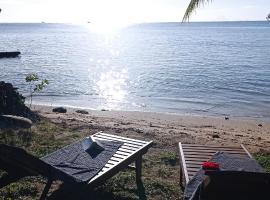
point(129, 11)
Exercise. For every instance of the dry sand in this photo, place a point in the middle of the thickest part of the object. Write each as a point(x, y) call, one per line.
point(168, 129)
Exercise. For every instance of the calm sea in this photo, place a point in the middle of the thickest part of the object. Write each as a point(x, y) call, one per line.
point(196, 68)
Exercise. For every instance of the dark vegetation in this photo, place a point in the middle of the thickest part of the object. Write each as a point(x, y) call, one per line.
point(13, 103)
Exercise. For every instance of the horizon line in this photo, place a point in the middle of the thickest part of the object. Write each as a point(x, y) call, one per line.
point(154, 22)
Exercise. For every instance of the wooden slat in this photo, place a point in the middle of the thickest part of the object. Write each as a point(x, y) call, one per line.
point(122, 153)
point(191, 174)
point(213, 150)
point(113, 162)
point(116, 159)
point(198, 156)
point(210, 153)
point(129, 148)
point(196, 159)
point(210, 146)
point(119, 156)
point(134, 144)
point(126, 150)
point(194, 162)
point(114, 137)
point(108, 165)
point(124, 138)
point(246, 150)
point(193, 170)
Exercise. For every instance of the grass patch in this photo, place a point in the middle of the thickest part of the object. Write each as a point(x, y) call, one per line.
point(167, 158)
point(264, 160)
point(20, 190)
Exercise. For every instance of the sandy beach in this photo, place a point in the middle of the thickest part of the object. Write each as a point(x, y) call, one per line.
point(167, 129)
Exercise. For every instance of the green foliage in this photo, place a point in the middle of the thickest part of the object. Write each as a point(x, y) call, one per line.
point(192, 6)
point(32, 79)
point(169, 158)
point(264, 160)
point(22, 188)
point(41, 85)
point(11, 102)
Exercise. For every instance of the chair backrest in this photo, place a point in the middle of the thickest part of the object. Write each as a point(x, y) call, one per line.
point(235, 185)
point(17, 160)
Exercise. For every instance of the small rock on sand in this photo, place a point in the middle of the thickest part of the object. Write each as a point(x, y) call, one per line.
point(215, 136)
point(60, 110)
point(82, 112)
point(260, 125)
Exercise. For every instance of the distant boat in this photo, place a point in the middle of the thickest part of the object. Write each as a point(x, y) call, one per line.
point(11, 54)
point(268, 17)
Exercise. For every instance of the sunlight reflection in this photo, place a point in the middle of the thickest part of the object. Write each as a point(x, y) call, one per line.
point(105, 28)
point(112, 85)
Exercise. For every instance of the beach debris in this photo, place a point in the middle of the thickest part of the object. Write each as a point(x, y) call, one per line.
point(215, 136)
point(12, 54)
point(59, 110)
point(11, 121)
point(227, 118)
point(82, 112)
point(260, 125)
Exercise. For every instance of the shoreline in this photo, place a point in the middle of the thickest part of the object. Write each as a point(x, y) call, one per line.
point(168, 129)
point(200, 115)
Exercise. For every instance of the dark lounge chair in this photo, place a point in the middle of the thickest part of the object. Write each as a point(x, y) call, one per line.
point(18, 163)
point(235, 185)
point(240, 177)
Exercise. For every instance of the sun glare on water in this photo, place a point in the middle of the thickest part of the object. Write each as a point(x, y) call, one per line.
point(106, 28)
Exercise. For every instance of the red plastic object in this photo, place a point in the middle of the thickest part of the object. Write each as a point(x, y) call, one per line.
point(210, 166)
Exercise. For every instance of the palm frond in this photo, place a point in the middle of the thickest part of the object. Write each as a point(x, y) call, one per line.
point(192, 7)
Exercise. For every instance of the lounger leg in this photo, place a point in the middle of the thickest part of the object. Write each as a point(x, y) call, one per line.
point(46, 189)
point(181, 176)
point(138, 169)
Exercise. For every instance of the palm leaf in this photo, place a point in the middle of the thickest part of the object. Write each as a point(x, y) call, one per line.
point(192, 7)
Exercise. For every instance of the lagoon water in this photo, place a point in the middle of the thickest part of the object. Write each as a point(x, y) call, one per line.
point(197, 68)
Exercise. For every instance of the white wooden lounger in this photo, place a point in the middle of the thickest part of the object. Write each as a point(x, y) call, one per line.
point(18, 163)
point(131, 151)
